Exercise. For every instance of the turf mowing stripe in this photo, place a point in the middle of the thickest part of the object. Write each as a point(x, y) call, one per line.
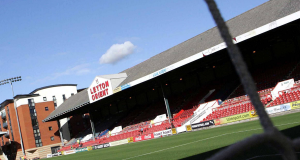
point(202, 140)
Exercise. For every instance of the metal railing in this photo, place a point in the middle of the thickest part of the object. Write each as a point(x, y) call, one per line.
point(285, 146)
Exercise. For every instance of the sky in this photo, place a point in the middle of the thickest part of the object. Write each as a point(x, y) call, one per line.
point(70, 42)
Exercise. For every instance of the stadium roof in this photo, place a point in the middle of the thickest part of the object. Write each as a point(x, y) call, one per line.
point(241, 24)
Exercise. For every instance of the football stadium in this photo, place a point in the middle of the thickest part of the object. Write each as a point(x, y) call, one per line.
point(194, 86)
point(188, 102)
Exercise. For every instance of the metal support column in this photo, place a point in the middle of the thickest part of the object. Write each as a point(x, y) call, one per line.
point(92, 125)
point(167, 105)
point(15, 106)
point(60, 133)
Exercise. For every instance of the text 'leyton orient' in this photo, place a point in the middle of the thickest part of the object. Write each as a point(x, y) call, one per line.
point(100, 90)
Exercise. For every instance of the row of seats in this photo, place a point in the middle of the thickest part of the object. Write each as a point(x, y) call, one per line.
point(287, 96)
point(238, 105)
point(219, 113)
point(136, 126)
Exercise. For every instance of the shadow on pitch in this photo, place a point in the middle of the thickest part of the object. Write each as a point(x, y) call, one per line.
point(261, 152)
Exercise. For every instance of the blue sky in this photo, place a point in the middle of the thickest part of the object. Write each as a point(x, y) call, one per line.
point(62, 41)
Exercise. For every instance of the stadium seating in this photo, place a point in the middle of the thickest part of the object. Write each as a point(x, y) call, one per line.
point(238, 105)
point(187, 102)
point(287, 96)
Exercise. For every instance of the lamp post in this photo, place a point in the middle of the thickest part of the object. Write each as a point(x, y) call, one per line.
point(11, 80)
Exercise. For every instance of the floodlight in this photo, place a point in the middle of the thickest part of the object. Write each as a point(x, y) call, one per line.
point(10, 80)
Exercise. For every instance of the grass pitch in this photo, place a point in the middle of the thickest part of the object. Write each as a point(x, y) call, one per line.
point(196, 145)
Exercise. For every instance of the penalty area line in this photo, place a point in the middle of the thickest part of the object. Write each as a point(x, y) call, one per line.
point(202, 140)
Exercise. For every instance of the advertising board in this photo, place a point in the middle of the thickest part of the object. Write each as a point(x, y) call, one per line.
point(100, 146)
point(253, 113)
point(53, 155)
point(118, 89)
point(174, 131)
point(203, 124)
point(89, 148)
point(116, 143)
point(279, 108)
point(167, 132)
point(295, 105)
point(125, 86)
point(233, 118)
point(162, 133)
point(130, 139)
point(68, 152)
point(144, 137)
point(188, 128)
point(81, 150)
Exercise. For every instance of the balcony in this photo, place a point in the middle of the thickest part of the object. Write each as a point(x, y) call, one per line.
point(3, 115)
point(4, 125)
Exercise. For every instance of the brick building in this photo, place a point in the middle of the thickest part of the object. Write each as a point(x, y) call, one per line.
point(39, 138)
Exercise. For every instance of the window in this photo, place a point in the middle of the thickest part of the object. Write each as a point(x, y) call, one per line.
point(55, 149)
point(52, 138)
point(45, 98)
point(38, 143)
point(31, 102)
point(64, 97)
point(36, 132)
point(46, 109)
point(32, 112)
point(50, 128)
point(34, 122)
point(54, 100)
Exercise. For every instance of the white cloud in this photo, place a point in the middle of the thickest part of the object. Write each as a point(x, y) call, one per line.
point(117, 52)
point(78, 70)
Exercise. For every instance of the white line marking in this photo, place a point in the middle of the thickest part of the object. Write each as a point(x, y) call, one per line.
point(202, 140)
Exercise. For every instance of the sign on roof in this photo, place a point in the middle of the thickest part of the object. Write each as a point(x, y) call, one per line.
point(100, 88)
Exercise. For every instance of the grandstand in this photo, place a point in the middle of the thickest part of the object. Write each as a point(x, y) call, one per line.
point(205, 88)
